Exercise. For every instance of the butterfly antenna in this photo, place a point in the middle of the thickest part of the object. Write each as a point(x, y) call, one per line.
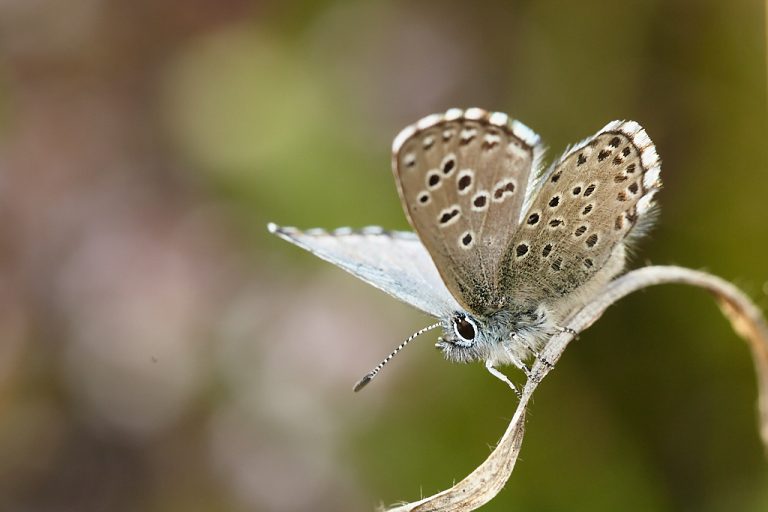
point(370, 375)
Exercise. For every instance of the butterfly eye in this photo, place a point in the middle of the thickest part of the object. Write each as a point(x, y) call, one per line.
point(465, 328)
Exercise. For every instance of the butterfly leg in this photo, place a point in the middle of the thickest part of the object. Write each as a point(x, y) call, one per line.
point(533, 350)
point(496, 373)
point(567, 329)
point(544, 361)
point(539, 357)
point(514, 359)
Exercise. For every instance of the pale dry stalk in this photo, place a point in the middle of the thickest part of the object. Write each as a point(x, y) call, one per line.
point(482, 485)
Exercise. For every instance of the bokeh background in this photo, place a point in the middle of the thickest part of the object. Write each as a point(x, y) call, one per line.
point(159, 351)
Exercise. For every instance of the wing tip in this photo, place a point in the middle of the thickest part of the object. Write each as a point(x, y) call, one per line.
point(649, 157)
point(281, 231)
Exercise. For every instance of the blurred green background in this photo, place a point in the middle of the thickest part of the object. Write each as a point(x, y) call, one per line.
point(159, 351)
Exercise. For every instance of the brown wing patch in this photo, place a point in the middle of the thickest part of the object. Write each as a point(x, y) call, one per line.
point(582, 212)
point(462, 178)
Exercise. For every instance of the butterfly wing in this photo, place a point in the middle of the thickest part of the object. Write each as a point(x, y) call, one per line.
point(582, 211)
point(462, 178)
point(395, 262)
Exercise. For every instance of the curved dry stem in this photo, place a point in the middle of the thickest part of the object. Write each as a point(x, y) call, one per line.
point(482, 485)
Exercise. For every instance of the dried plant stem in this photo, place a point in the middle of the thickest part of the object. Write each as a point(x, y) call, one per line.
point(490, 477)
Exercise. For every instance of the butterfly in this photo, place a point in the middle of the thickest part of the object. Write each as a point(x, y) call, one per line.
point(504, 250)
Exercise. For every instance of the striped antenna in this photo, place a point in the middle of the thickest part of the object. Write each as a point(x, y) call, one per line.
point(370, 375)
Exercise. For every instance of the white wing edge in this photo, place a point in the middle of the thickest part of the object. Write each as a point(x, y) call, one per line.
point(648, 157)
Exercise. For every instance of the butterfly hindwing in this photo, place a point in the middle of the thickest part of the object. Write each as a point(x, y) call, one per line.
point(462, 178)
point(592, 199)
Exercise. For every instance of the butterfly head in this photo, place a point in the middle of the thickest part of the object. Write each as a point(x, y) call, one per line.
point(465, 338)
point(505, 336)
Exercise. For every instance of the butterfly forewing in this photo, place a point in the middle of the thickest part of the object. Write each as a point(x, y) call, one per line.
point(583, 210)
point(392, 261)
point(462, 178)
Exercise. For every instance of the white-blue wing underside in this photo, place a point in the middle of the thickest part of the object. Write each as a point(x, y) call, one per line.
point(393, 261)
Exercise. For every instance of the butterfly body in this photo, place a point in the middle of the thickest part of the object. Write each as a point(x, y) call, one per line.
point(504, 251)
point(508, 336)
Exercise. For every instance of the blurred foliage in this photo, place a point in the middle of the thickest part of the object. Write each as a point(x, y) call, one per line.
point(159, 351)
